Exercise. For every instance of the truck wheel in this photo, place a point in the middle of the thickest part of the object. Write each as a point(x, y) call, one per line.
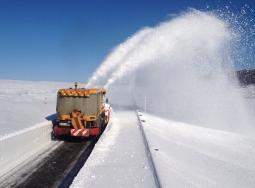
point(53, 136)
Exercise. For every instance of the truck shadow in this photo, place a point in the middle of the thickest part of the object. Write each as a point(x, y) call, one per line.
point(51, 117)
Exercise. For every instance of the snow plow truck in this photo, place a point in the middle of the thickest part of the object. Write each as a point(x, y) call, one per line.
point(81, 112)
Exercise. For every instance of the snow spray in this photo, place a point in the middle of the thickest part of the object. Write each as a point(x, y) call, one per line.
point(119, 54)
point(185, 69)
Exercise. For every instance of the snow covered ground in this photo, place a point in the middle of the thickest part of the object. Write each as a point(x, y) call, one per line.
point(168, 154)
point(120, 158)
point(191, 156)
point(24, 104)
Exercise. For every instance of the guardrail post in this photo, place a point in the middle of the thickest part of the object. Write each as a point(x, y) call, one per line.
point(145, 104)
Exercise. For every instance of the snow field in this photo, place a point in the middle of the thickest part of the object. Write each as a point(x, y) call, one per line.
point(24, 103)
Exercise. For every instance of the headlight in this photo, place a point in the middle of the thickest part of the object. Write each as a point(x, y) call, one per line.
point(64, 124)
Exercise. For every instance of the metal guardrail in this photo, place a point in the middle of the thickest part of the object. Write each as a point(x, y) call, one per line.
point(141, 121)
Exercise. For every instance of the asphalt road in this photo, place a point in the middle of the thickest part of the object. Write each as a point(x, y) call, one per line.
point(57, 169)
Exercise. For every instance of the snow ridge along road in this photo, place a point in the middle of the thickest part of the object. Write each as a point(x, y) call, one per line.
point(19, 146)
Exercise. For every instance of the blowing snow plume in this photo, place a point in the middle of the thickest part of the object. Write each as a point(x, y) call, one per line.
point(181, 67)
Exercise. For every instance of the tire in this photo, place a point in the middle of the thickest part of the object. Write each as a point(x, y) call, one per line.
point(53, 136)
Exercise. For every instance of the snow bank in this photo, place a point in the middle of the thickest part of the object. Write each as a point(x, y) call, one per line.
point(17, 147)
point(191, 156)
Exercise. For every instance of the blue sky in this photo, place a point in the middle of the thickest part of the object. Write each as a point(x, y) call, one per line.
point(67, 40)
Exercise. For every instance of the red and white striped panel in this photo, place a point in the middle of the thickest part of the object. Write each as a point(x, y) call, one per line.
point(79, 132)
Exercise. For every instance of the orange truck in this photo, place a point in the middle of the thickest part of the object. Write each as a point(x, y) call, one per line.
point(81, 112)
